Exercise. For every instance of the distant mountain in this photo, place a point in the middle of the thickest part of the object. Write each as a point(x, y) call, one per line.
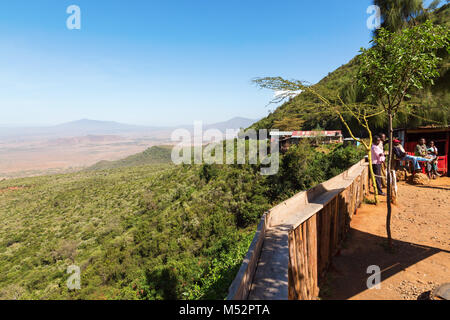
point(235, 123)
point(95, 125)
point(82, 127)
point(85, 127)
point(153, 155)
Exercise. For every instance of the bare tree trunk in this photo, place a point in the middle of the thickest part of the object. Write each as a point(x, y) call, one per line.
point(389, 182)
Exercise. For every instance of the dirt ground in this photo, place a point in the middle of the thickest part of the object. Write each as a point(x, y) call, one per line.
point(420, 259)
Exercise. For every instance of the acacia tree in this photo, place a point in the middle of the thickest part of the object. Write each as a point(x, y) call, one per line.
point(397, 63)
point(359, 111)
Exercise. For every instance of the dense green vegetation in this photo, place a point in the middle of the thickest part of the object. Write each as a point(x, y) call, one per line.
point(142, 228)
point(153, 155)
point(144, 232)
point(429, 106)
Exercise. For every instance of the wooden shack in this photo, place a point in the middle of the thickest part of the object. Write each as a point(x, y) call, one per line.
point(288, 138)
point(439, 134)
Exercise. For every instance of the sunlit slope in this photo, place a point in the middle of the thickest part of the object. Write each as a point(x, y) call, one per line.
point(144, 232)
point(153, 155)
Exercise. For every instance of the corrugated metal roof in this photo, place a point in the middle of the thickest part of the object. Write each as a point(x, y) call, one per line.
point(307, 134)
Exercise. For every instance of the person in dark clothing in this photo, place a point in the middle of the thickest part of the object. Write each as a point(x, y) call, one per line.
point(401, 155)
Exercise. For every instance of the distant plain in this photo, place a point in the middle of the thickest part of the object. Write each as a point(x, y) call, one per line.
point(76, 145)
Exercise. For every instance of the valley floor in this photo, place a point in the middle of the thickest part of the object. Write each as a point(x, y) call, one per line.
point(420, 260)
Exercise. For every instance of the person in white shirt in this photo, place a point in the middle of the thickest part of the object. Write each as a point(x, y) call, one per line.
point(383, 140)
point(377, 160)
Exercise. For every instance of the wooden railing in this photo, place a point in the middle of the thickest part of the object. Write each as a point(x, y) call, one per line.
point(241, 285)
point(316, 221)
point(313, 242)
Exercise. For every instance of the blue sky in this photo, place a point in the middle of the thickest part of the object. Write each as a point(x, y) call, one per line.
point(165, 62)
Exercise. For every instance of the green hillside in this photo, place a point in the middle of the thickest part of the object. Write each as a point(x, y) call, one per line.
point(137, 233)
point(147, 231)
point(433, 103)
point(153, 155)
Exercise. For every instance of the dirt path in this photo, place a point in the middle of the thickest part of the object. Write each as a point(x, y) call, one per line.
point(421, 257)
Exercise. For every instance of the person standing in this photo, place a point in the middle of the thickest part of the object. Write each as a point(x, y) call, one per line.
point(377, 160)
point(382, 145)
point(383, 140)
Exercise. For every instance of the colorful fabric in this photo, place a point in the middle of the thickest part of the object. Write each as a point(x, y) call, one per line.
point(415, 161)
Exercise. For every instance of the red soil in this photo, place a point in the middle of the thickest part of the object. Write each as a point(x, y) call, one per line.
point(420, 260)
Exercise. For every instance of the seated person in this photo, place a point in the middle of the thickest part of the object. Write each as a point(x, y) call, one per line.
point(421, 148)
point(432, 167)
point(401, 155)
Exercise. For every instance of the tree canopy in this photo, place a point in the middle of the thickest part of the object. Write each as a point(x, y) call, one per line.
point(401, 61)
point(399, 14)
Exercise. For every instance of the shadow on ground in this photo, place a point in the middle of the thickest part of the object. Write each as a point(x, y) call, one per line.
point(348, 275)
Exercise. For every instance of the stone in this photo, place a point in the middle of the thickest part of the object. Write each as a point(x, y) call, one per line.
point(442, 292)
point(420, 179)
point(402, 174)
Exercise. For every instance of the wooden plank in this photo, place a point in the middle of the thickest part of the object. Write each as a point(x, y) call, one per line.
point(316, 235)
point(312, 256)
point(325, 239)
point(301, 255)
point(304, 230)
point(292, 272)
point(301, 264)
point(335, 210)
point(342, 216)
point(320, 226)
point(308, 233)
point(313, 246)
point(298, 266)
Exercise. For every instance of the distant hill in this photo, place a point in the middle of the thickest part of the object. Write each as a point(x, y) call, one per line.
point(162, 154)
point(235, 123)
point(153, 155)
point(86, 127)
point(77, 128)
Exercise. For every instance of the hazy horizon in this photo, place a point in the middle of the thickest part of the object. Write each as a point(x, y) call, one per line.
point(37, 150)
point(142, 124)
point(130, 63)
